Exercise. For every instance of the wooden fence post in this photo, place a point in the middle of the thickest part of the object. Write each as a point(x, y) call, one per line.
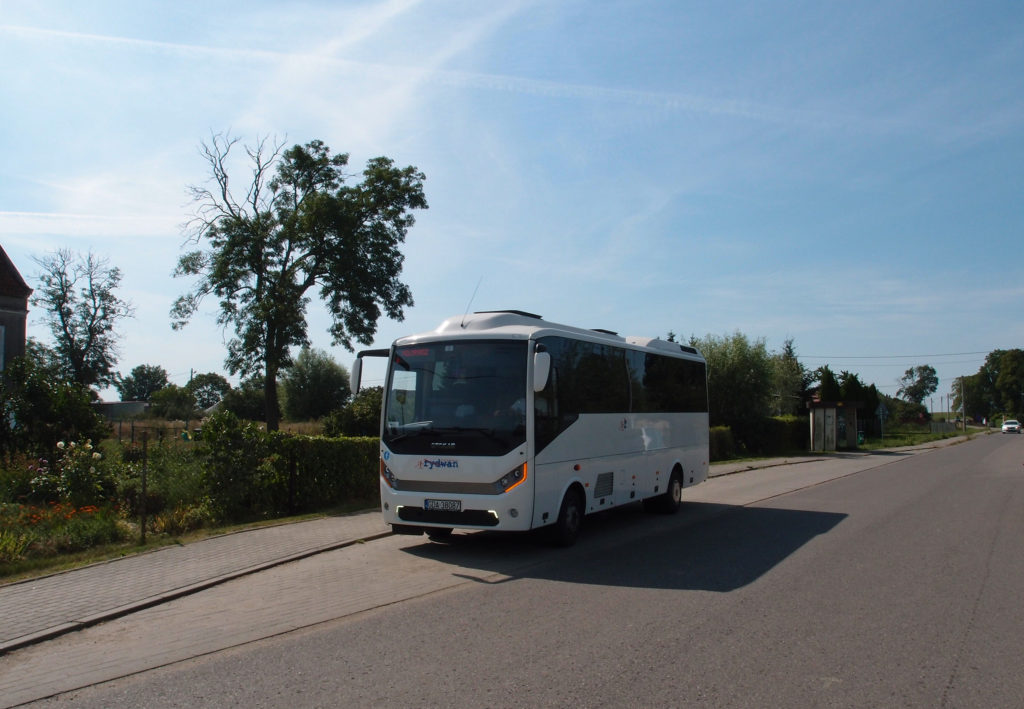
point(142, 502)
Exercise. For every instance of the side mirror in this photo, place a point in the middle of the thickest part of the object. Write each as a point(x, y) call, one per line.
point(541, 370)
point(357, 372)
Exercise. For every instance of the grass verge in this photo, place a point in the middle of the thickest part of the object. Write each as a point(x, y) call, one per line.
point(25, 569)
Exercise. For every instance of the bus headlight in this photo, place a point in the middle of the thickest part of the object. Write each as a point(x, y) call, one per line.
point(510, 479)
point(388, 476)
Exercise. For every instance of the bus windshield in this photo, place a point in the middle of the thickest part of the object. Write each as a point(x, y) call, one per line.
point(456, 398)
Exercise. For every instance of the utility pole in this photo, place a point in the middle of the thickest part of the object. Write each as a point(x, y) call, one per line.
point(963, 402)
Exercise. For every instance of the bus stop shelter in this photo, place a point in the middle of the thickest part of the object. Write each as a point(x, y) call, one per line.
point(833, 425)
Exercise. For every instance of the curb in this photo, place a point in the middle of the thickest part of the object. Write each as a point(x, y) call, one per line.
point(755, 466)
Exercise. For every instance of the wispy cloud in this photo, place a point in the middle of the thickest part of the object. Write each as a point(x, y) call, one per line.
point(307, 66)
point(148, 45)
point(79, 225)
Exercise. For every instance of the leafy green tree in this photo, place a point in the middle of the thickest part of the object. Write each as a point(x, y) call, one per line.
point(314, 386)
point(299, 227)
point(77, 297)
point(247, 400)
point(828, 385)
point(904, 411)
point(208, 389)
point(977, 392)
point(43, 357)
point(39, 408)
point(985, 397)
point(851, 388)
point(359, 417)
point(1010, 382)
point(739, 378)
point(143, 381)
point(917, 383)
point(788, 380)
point(872, 399)
point(173, 402)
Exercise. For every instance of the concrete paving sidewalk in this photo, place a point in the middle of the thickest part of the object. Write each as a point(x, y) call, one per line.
point(38, 609)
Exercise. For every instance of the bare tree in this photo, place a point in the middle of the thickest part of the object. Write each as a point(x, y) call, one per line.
point(82, 312)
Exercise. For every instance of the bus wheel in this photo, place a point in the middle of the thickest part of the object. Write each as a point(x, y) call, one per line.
point(570, 518)
point(673, 497)
point(669, 502)
point(439, 534)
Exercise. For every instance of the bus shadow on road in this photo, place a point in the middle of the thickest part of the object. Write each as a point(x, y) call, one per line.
point(706, 547)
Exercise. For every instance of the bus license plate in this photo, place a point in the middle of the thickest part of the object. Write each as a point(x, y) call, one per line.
point(443, 505)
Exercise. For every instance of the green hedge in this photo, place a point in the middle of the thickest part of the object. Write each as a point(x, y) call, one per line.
point(254, 473)
point(721, 443)
point(335, 470)
point(781, 435)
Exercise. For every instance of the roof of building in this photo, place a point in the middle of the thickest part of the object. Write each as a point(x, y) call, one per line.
point(11, 282)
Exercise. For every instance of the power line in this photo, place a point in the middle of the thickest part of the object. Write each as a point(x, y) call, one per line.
point(918, 356)
point(890, 364)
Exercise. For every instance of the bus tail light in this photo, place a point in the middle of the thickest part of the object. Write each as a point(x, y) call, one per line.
point(510, 479)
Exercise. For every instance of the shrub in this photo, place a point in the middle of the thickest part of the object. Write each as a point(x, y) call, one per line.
point(360, 417)
point(759, 437)
point(175, 483)
point(77, 476)
point(13, 544)
point(88, 528)
point(16, 479)
point(239, 467)
point(39, 408)
point(248, 401)
point(183, 518)
point(771, 436)
point(45, 530)
point(254, 473)
point(173, 402)
point(721, 443)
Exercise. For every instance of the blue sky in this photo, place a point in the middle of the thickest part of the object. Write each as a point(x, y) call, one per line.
point(848, 175)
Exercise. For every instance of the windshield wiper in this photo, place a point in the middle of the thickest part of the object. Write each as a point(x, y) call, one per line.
point(485, 432)
point(399, 431)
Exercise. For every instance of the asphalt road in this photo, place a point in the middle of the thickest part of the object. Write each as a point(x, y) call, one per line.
point(815, 585)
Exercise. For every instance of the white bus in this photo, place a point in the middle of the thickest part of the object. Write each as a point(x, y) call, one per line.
point(503, 421)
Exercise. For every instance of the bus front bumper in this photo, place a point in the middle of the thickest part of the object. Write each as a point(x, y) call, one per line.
point(507, 512)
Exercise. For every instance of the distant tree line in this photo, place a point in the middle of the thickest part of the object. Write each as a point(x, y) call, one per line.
point(748, 385)
point(995, 390)
point(315, 387)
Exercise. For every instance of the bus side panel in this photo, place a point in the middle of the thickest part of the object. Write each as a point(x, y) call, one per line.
point(697, 458)
point(638, 450)
point(550, 481)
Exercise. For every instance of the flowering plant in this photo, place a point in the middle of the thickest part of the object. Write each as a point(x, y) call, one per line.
point(53, 528)
point(74, 477)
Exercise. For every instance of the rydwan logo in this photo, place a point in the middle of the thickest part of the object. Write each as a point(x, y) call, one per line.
point(427, 464)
